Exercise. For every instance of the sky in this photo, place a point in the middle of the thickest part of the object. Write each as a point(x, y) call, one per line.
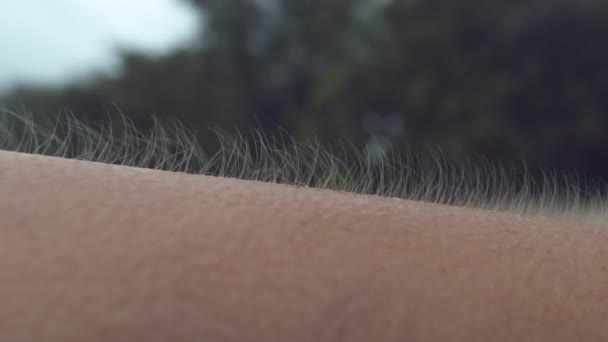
point(50, 42)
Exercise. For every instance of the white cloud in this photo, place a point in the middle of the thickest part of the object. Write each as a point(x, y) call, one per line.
point(51, 41)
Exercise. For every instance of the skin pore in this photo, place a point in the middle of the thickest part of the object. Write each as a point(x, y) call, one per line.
point(97, 252)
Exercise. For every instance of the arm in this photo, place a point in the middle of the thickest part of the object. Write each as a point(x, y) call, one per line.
point(106, 253)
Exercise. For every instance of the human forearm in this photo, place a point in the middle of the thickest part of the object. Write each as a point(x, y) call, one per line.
point(99, 252)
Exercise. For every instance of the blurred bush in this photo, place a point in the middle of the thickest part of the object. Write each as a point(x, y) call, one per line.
point(504, 79)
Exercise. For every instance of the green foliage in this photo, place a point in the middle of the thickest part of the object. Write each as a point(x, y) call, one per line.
point(502, 78)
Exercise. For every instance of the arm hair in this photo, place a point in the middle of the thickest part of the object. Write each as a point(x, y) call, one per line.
point(430, 177)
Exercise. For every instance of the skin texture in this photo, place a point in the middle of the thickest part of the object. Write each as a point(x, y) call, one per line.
point(94, 252)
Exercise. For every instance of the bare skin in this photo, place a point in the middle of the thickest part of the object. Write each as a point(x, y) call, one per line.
point(93, 252)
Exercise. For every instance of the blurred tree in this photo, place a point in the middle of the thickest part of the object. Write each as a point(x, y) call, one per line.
point(505, 79)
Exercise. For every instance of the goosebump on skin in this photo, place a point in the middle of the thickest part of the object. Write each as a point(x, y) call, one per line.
point(431, 177)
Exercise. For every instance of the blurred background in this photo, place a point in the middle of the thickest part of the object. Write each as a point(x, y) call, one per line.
point(508, 80)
